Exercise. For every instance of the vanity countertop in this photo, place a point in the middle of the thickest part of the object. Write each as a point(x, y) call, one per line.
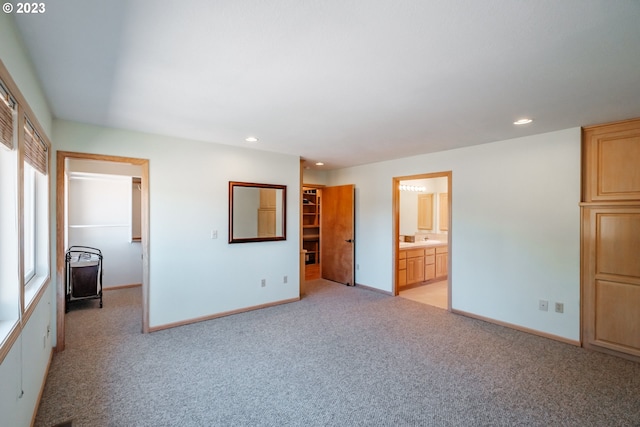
point(422, 244)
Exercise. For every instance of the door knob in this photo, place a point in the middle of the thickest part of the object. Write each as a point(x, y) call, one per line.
point(349, 241)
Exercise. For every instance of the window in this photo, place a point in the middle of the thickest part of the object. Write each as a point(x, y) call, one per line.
point(7, 117)
point(9, 236)
point(24, 213)
point(34, 211)
point(29, 216)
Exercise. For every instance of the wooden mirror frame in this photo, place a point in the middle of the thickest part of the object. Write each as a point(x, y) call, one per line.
point(272, 209)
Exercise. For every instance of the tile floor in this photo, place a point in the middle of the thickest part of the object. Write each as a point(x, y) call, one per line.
point(432, 294)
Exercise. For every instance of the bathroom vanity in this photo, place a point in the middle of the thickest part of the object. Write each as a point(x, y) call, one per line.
point(422, 261)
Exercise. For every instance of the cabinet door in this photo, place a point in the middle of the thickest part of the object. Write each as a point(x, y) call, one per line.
point(429, 271)
point(612, 279)
point(429, 264)
point(267, 198)
point(443, 217)
point(402, 277)
point(266, 222)
point(402, 269)
point(415, 270)
point(611, 154)
point(420, 269)
point(425, 211)
point(441, 264)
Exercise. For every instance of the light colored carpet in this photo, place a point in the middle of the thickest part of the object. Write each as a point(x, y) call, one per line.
point(342, 356)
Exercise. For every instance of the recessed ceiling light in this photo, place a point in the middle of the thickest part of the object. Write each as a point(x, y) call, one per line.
point(319, 164)
point(251, 139)
point(522, 121)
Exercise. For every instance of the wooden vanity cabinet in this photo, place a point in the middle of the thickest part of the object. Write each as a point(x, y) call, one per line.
point(419, 265)
point(422, 264)
point(410, 266)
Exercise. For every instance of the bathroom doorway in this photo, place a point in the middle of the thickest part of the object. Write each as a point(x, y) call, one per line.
point(422, 244)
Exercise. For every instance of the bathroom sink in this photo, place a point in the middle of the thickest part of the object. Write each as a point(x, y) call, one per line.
point(421, 243)
point(431, 242)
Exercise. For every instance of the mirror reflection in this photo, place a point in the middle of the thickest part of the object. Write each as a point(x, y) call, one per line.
point(256, 212)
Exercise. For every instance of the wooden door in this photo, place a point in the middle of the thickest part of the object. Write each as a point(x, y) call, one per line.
point(337, 243)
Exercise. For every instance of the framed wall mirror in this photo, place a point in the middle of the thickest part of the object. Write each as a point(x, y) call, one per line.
point(257, 212)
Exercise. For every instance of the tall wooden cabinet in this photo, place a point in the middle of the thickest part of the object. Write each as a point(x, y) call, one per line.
point(610, 250)
point(267, 213)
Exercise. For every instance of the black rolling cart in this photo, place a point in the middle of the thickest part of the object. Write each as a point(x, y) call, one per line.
point(83, 274)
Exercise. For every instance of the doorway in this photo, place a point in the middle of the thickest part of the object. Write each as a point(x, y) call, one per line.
point(422, 238)
point(61, 221)
point(328, 232)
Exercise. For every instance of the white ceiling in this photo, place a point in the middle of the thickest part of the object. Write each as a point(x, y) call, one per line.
point(346, 82)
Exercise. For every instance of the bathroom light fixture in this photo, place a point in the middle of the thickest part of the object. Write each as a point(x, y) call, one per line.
point(522, 121)
point(319, 164)
point(251, 139)
point(416, 188)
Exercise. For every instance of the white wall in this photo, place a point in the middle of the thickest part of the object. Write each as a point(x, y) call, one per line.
point(515, 227)
point(192, 275)
point(23, 369)
point(17, 61)
point(99, 214)
point(314, 176)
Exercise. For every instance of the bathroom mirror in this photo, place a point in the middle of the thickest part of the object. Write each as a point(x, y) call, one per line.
point(257, 212)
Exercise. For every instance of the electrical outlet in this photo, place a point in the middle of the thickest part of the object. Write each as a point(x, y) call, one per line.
point(285, 279)
point(543, 305)
point(263, 282)
point(214, 234)
point(357, 266)
point(559, 307)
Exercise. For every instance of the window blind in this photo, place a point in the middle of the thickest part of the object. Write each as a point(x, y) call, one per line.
point(35, 150)
point(7, 108)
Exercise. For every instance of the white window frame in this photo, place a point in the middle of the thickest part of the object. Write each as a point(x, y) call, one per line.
point(22, 284)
